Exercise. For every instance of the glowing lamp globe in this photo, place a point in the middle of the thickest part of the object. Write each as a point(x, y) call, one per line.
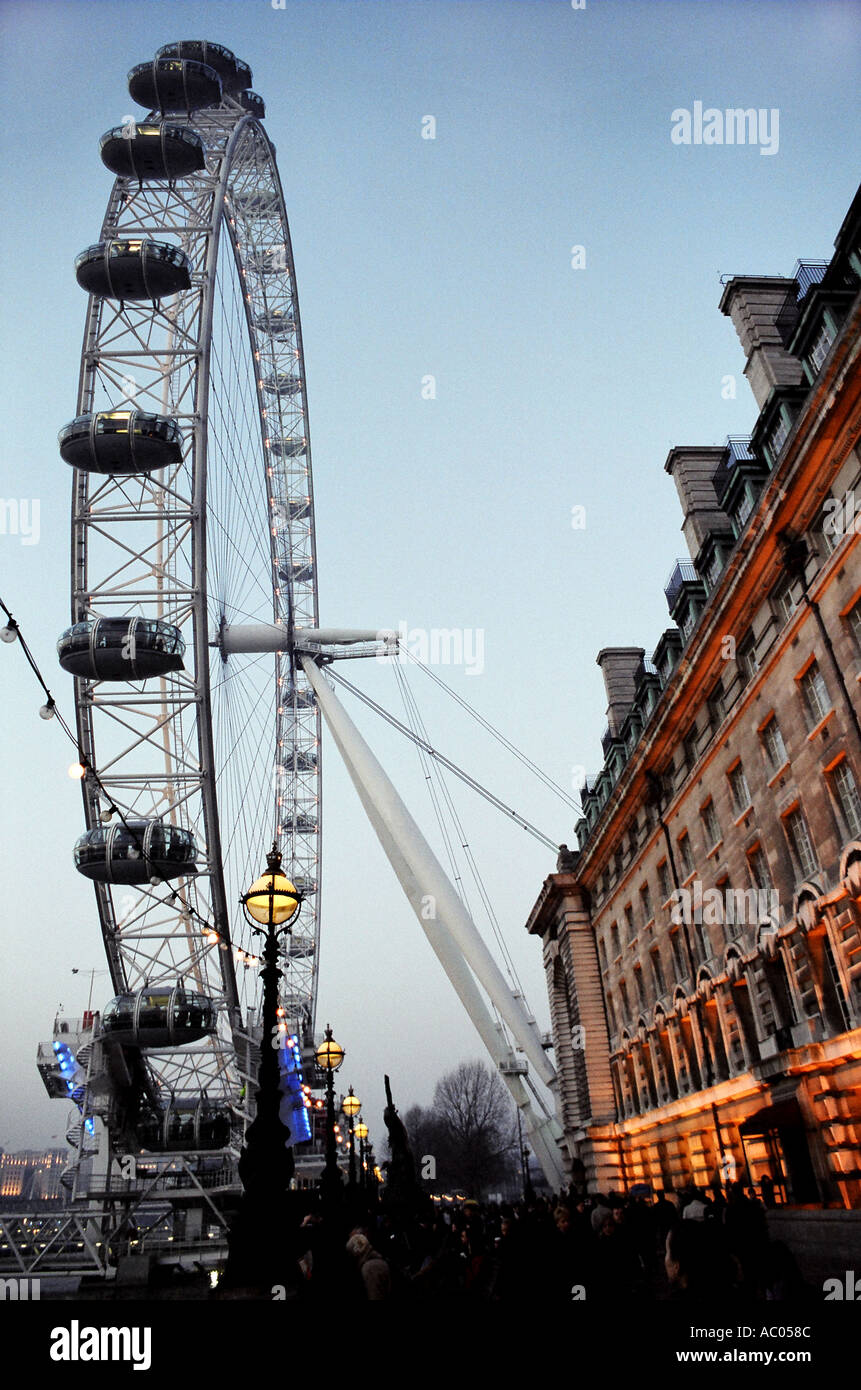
point(273, 899)
point(329, 1054)
point(351, 1105)
point(361, 1130)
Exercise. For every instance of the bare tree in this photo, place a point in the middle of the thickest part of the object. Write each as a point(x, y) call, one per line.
point(478, 1127)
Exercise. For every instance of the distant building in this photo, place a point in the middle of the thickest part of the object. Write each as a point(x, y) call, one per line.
point(703, 947)
point(33, 1175)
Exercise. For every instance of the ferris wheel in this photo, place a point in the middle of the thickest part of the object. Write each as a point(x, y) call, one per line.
point(193, 515)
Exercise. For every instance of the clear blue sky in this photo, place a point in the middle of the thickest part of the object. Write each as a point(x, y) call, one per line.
point(556, 387)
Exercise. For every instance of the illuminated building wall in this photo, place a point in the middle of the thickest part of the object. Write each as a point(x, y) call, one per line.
point(703, 945)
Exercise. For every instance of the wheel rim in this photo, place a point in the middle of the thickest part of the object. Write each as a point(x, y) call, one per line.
point(230, 747)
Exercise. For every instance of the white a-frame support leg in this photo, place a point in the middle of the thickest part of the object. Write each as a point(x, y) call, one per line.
point(448, 926)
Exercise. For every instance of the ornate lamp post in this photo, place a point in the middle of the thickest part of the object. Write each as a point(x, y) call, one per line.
point(259, 1238)
point(351, 1105)
point(330, 1056)
point(361, 1135)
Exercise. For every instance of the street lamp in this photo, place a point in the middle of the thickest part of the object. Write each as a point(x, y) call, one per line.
point(260, 1235)
point(361, 1135)
point(351, 1105)
point(330, 1056)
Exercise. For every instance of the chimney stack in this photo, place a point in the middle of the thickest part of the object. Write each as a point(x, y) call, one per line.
point(619, 668)
point(754, 302)
point(692, 469)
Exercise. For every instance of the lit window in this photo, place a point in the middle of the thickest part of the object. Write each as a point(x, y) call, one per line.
point(845, 792)
point(800, 844)
point(814, 693)
point(739, 789)
point(772, 742)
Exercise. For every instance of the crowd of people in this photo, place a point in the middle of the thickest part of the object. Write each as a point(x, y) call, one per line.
point(690, 1246)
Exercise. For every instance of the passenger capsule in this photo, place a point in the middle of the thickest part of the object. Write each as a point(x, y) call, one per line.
point(278, 323)
point(174, 84)
point(300, 573)
point(133, 269)
point(165, 1017)
point(288, 448)
point(136, 852)
point(234, 73)
point(121, 649)
point(153, 151)
point(302, 825)
point(264, 204)
point(187, 1122)
point(121, 441)
point(301, 947)
point(282, 384)
point(252, 103)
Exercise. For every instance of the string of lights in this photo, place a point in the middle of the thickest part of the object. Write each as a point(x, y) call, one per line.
point(83, 768)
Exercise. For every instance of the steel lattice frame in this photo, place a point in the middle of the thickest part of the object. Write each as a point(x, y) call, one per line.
point(228, 748)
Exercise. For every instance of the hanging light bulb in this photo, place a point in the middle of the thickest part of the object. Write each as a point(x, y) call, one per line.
point(9, 632)
point(77, 771)
point(46, 711)
point(107, 816)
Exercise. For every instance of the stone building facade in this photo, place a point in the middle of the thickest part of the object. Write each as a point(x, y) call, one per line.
point(703, 946)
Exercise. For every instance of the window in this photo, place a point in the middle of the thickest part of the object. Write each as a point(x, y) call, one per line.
point(744, 508)
point(739, 789)
point(716, 707)
point(646, 900)
point(623, 995)
point(704, 945)
point(800, 844)
point(853, 618)
point(685, 855)
point(664, 880)
point(786, 599)
point(611, 1016)
point(845, 793)
point(614, 940)
point(689, 745)
point(814, 693)
point(678, 954)
point(630, 928)
point(711, 824)
point(641, 989)
point(602, 954)
point(657, 973)
point(773, 745)
point(747, 662)
point(821, 345)
point(779, 435)
point(758, 866)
